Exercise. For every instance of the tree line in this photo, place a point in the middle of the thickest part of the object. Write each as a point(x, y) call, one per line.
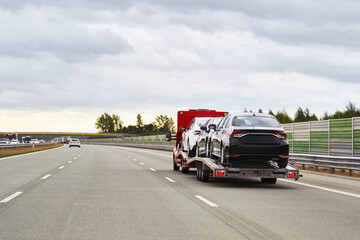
point(304, 115)
point(107, 123)
point(113, 124)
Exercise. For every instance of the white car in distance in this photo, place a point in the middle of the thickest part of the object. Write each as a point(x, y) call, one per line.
point(14, 142)
point(35, 141)
point(74, 143)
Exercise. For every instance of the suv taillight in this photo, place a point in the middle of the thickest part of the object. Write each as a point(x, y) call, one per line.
point(238, 134)
point(280, 134)
point(197, 132)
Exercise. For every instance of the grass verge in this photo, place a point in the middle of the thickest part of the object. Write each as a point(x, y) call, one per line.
point(21, 150)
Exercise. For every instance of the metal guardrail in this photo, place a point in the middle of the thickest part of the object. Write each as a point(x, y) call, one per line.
point(347, 163)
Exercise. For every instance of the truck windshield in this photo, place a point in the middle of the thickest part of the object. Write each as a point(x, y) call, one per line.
point(255, 122)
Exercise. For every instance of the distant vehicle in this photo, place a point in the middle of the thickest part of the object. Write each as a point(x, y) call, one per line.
point(74, 143)
point(4, 142)
point(191, 135)
point(41, 141)
point(11, 136)
point(26, 139)
point(203, 142)
point(35, 141)
point(14, 142)
point(249, 136)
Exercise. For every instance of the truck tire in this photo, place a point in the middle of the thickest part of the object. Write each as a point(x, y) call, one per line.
point(202, 173)
point(175, 166)
point(283, 162)
point(184, 169)
point(268, 180)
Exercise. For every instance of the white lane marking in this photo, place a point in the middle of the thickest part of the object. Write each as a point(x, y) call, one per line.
point(69, 161)
point(169, 179)
point(75, 158)
point(206, 201)
point(323, 188)
point(152, 169)
point(61, 167)
point(142, 164)
point(134, 160)
point(5, 200)
point(26, 154)
point(46, 176)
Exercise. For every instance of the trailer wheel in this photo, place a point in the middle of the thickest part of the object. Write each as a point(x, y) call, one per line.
point(268, 180)
point(205, 173)
point(184, 169)
point(198, 166)
point(175, 166)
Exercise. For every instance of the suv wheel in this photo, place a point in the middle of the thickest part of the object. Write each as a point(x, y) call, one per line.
point(224, 154)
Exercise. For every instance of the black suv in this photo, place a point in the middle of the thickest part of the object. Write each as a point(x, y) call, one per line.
point(242, 138)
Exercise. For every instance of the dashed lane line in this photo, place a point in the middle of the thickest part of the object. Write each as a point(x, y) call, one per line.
point(152, 169)
point(170, 180)
point(9, 198)
point(61, 167)
point(206, 201)
point(46, 176)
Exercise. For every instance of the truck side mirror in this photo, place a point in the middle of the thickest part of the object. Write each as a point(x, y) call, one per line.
point(203, 128)
point(168, 136)
point(182, 128)
point(212, 126)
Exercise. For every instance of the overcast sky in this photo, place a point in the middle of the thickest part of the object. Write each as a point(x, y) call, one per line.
point(64, 63)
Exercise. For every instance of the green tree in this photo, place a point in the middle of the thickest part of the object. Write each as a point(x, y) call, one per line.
point(118, 124)
point(139, 121)
point(260, 111)
point(109, 123)
point(283, 117)
point(271, 112)
point(164, 124)
point(105, 123)
point(299, 115)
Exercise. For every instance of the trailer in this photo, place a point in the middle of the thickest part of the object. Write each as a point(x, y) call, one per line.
point(207, 168)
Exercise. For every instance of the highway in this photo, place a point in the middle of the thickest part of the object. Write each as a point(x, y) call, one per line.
point(105, 192)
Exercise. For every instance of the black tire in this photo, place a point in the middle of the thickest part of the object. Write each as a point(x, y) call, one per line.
point(205, 173)
point(175, 166)
point(269, 180)
point(282, 163)
point(210, 151)
point(198, 166)
point(224, 154)
point(184, 169)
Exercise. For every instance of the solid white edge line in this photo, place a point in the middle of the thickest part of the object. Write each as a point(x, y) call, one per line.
point(206, 201)
point(323, 188)
point(69, 161)
point(142, 164)
point(5, 200)
point(46, 176)
point(169, 179)
point(152, 169)
point(61, 167)
point(26, 154)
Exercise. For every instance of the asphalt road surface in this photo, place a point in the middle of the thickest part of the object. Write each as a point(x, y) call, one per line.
point(104, 192)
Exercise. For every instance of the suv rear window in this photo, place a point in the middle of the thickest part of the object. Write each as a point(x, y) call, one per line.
point(255, 122)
